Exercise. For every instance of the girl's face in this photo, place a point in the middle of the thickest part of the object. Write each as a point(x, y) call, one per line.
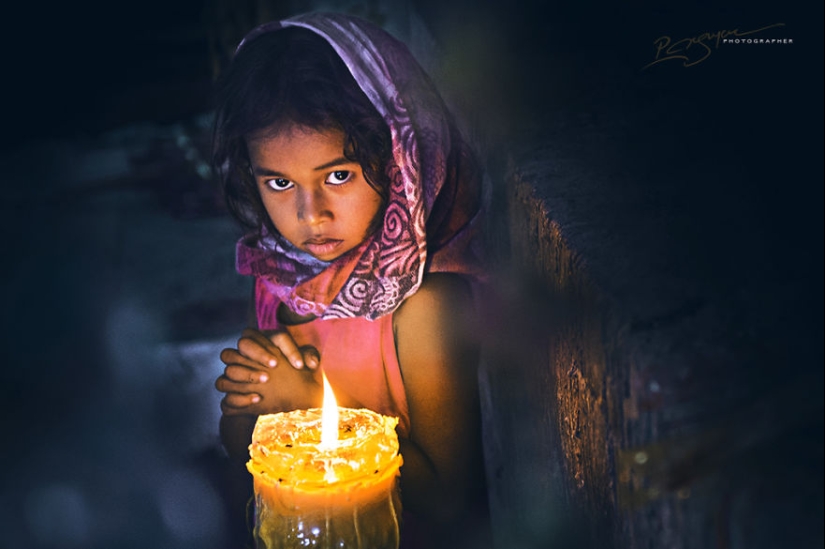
point(315, 197)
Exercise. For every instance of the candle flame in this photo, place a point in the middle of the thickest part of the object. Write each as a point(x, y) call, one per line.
point(329, 418)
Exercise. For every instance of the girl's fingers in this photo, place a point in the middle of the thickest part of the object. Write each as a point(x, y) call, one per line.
point(257, 347)
point(237, 379)
point(312, 358)
point(236, 403)
point(234, 357)
point(226, 385)
point(284, 342)
point(243, 374)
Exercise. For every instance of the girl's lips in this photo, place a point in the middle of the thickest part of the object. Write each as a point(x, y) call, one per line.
point(320, 247)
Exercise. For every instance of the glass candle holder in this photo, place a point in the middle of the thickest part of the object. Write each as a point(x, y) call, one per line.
point(308, 495)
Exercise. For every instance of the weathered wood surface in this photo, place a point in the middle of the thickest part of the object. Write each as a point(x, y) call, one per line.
point(655, 379)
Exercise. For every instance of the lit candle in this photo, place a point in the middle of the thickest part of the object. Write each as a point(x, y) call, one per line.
point(326, 477)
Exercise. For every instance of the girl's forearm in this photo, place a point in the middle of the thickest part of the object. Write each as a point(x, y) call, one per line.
point(423, 492)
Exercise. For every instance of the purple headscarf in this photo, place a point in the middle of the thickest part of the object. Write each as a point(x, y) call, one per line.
point(432, 220)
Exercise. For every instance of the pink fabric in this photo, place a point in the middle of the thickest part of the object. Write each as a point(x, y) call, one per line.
point(359, 359)
point(434, 206)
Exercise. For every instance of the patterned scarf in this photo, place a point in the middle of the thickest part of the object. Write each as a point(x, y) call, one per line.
point(434, 206)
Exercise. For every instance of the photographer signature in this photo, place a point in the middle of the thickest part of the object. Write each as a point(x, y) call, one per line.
point(703, 45)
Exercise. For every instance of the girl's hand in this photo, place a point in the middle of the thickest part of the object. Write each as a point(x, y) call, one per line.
point(254, 384)
point(273, 349)
point(276, 390)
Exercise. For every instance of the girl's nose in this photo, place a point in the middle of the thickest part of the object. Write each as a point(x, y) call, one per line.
point(313, 207)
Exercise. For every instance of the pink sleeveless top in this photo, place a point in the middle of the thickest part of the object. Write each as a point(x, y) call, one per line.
point(357, 355)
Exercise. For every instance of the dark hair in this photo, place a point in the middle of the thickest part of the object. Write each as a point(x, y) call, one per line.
point(288, 77)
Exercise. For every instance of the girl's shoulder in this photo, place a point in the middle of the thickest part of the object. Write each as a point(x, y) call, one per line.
point(442, 299)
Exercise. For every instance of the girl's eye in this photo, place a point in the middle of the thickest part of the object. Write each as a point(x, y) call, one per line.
point(339, 177)
point(278, 184)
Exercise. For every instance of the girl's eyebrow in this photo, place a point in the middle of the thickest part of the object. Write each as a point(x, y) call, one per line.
point(332, 163)
point(266, 172)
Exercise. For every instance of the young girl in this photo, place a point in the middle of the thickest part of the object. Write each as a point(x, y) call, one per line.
point(364, 207)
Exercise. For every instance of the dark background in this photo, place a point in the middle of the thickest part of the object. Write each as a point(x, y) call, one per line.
point(88, 66)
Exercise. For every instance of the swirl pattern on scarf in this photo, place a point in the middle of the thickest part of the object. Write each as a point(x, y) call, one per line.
point(434, 203)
